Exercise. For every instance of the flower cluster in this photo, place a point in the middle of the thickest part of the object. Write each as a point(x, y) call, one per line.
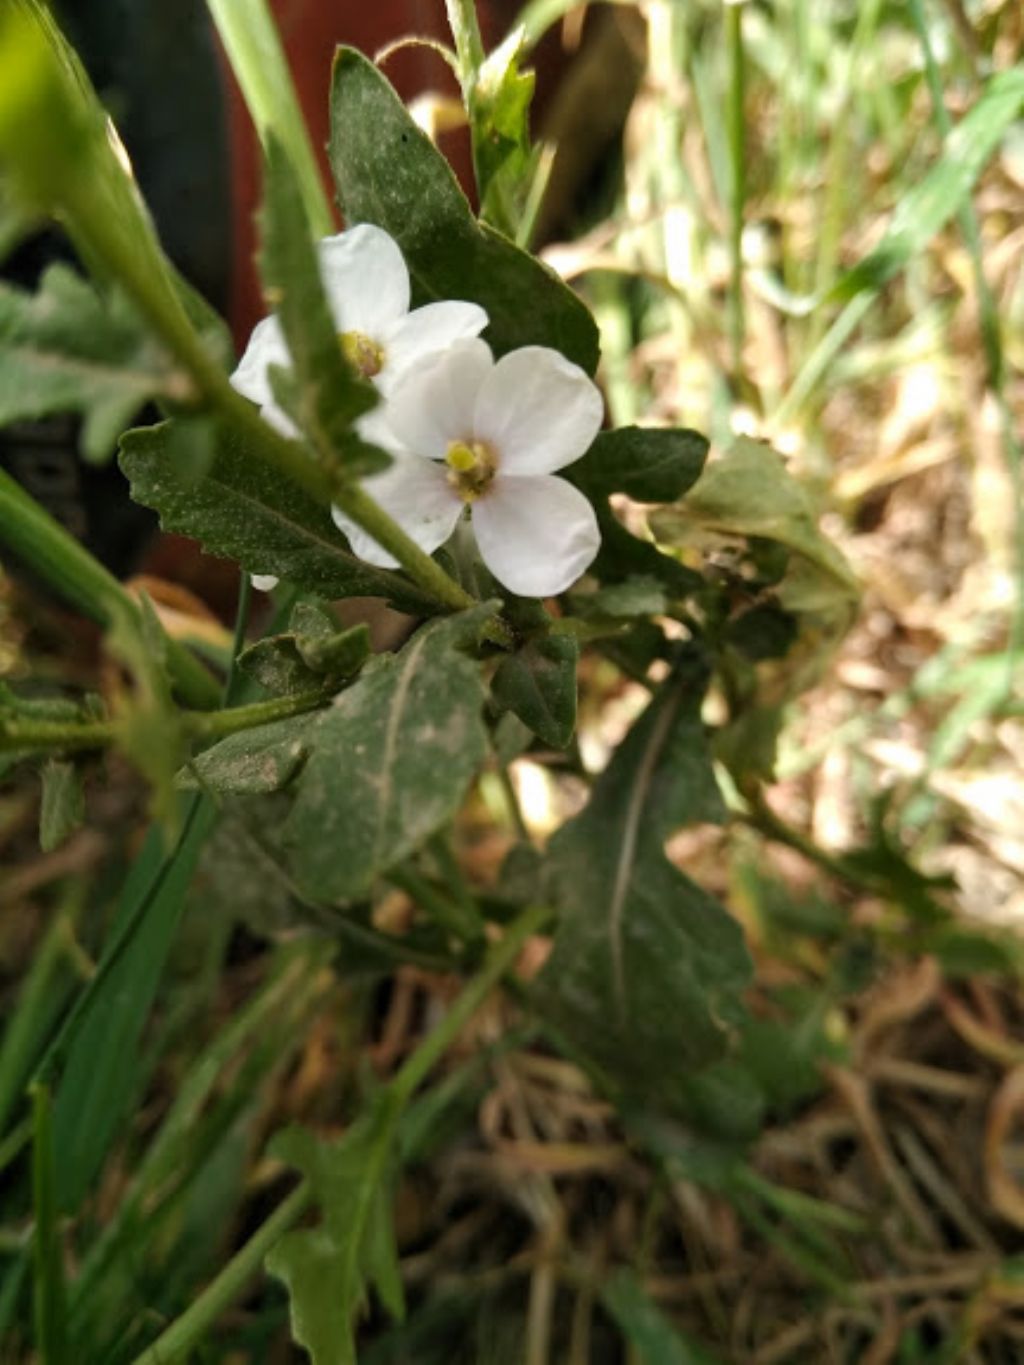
point(467, 434)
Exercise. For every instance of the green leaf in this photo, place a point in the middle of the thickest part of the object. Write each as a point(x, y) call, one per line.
point(926, 208)
point(390, 763)
point(242, 509)
point(749, 492)
point(636, 595)
point(538, 684)
point(63, 805)
point(252, 762)
point(249, 34)
point(101, 1039)
point(339, 654)
point(297, 661)
point(321, 392)
point(649, 464)
point(277, 665)
point(653, 1336)
point(388, 172)
point(501, 132)
point(647, 970)
point(326, 1267)
point(68, 348)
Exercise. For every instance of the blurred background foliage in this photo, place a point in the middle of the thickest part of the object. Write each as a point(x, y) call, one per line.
point(851, 1186)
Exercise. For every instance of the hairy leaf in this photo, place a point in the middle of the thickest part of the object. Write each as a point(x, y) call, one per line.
point(538, 684)
point(63, 804)
point(69, 348)
point(242, 509)
point(501, 133)
point(647, 970)
point(263, 759)
point(392, 758)
point(388, 172)
point(649, 464)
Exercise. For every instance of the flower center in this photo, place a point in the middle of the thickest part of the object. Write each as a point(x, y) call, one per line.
point(362, 353)
point(471, 467)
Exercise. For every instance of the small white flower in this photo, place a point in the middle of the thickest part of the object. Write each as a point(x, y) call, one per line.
point(471, 433)
point(264, 582)
point(366, 283)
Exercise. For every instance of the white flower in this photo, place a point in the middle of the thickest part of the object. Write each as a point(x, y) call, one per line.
point(367, 287)
point(471, 433)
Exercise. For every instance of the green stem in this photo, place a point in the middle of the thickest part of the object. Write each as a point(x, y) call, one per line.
point(469, 51)
point(737, 153)
point(253, 46)
point(183, 1334)
point(17, 733)
point(193, 1324)
point(469, 46)
point(448, 913)
point(68, 567)
point(991, 338)
point(500, 958)
point(417, 563)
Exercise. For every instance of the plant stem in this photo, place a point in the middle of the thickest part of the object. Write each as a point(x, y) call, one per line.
point(184, 1333)
point(991, 338)
point(737, 153)
point(452, 916)
point(499, 959)
point(17, 734)
point(417, 563)
point(253, 46)
point(68, 567)
point(469, 46)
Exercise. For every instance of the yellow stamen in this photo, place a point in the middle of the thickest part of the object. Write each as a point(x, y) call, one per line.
point(362, 353)
point(472, 465)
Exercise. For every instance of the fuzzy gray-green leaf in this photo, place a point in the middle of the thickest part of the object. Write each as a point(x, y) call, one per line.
point(63, 804)
point(392, 759)
point(244, 510)
point(388, 172)
point(647, 971)
point(68, 348)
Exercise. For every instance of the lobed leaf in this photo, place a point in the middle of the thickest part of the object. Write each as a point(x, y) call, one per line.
point(388, 172)
point(326, 1267)
point(647, 970)
point(69, 348)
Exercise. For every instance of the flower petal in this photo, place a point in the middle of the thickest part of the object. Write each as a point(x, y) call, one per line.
point(433, 405)
point(536, 534)
point(365, 278)
point(264, 582)
point(417, 495)
point(538, 410)
point(266, 347)
point(425, 331)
